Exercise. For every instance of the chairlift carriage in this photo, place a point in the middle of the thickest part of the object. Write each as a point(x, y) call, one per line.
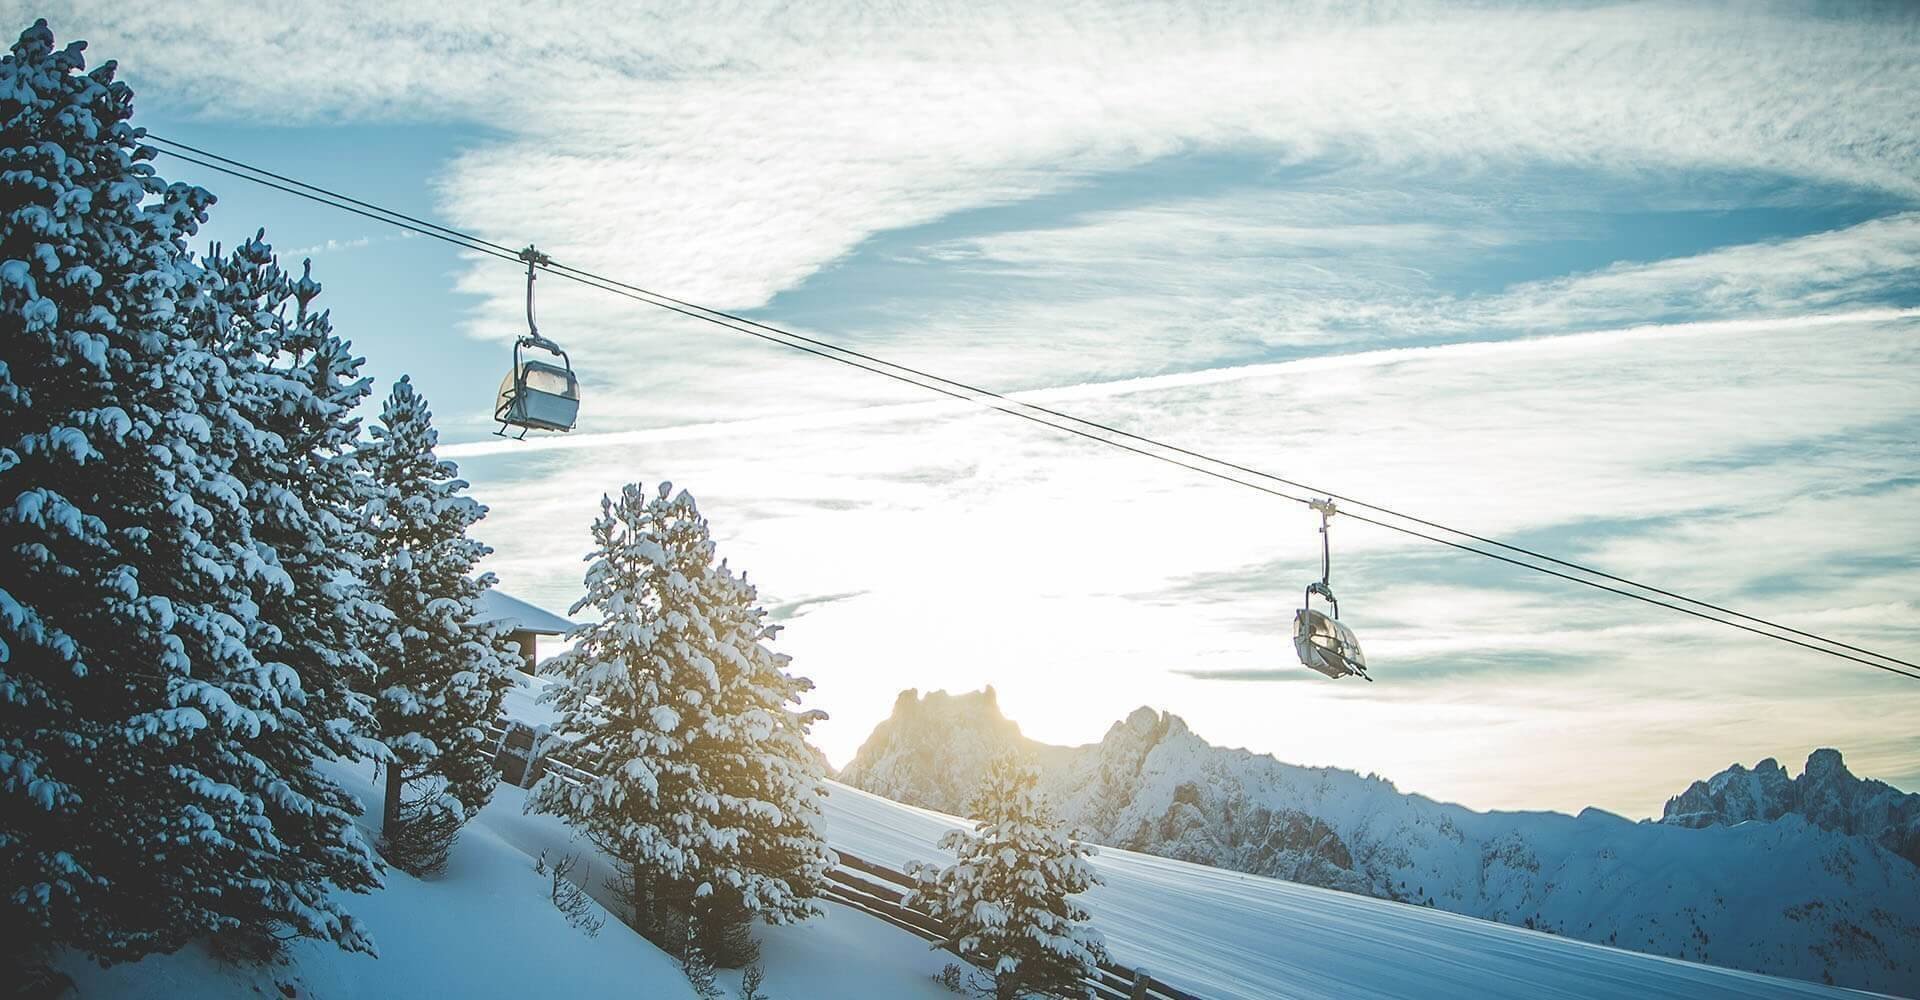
point(1323, 643)
point(537, 395)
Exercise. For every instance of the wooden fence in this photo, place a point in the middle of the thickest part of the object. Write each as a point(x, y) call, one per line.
point(871, 888)
point(881, 892)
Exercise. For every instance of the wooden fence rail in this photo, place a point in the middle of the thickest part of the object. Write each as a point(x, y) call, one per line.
point(874, 889)
point(881, 891)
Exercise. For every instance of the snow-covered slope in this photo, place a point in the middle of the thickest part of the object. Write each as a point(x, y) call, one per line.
point(1787, 898)
point(1232, 936)
point(487, 930)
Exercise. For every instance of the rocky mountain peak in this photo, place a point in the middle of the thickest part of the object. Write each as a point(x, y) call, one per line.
point(1143, 728)
point(1826, 794)
point(982, 705)
point(1142, 720)
point(931, 751)
point(1826, 764)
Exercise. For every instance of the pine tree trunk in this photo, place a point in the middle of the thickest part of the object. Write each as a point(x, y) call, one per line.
point(390, 816)
point(640, 897)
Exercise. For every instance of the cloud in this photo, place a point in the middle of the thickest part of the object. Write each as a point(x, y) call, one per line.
point(1283, 675)
point(732, 185)
point(789, 610)
point(330, 246)
point(343, 246)
point(1862, 263)
point(727, 158)
point(1242, 272)
point(1056, 397)
point(1719, 430)
point(1221, 286)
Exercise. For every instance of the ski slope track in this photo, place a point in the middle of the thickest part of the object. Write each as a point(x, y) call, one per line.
point(1229, 936)
point(1838, 900)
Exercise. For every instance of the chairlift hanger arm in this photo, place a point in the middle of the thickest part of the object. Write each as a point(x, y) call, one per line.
point(1327, 510)
point(534, 257)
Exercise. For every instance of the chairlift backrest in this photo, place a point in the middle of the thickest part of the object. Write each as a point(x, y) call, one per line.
point(538, 376)
point(539, 395)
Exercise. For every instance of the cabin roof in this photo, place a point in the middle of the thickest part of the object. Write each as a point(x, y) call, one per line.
point(518, 615)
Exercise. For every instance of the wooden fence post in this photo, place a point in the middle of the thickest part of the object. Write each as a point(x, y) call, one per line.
point(1141, 983)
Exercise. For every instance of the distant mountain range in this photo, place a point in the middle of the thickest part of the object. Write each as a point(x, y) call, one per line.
point(1816, 877)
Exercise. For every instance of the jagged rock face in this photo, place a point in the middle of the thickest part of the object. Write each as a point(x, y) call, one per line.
point(1115, 778)
point(1826, 794)
point(932, 751)
point(1283, 843)
point(1837, 907)
point(1734, 796)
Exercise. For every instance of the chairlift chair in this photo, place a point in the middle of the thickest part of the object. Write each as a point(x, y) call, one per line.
point(537, 395)
point(1323, 643)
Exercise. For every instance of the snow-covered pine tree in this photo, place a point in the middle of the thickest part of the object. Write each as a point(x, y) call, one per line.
point(297, 386)
point(707, 795)
point(439, 674)
point(1005, 898)
point(630, 693)
point(152, 781)
point(772, 782)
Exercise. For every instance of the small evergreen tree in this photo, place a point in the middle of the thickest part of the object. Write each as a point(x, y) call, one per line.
point(1005, 898)
point(696, 965)
point(631, 691)
point(708, 796)
point(751, 980)
point(156, 734)
point(439, 675)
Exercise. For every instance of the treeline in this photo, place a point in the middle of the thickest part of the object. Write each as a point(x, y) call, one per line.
point(211, 578)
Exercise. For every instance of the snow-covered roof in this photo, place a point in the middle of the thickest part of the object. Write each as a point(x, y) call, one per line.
point(519, 615)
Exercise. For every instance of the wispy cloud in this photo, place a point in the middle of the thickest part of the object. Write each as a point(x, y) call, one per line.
point(1244, 275)
point(341, 246)
point(731, 157)
point(1619, 339)
point(1862, 263)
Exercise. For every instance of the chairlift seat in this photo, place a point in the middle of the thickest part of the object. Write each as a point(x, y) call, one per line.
point(1327, 646)
point(539, 396)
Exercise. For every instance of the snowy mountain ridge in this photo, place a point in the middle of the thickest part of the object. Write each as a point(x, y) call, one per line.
point(1825, 794)
point(1841, 908)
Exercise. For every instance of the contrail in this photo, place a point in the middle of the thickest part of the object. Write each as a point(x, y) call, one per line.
point(900, 412)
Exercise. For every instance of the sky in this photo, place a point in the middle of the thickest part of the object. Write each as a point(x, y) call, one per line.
point(1636, 284)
